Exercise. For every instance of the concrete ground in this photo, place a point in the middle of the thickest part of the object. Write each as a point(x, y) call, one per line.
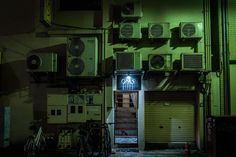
point(18, 152)
point(160, 153)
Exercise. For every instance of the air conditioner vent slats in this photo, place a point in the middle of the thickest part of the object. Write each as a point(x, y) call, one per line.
point(192, 62)
point(125, 61)
point(128, 61)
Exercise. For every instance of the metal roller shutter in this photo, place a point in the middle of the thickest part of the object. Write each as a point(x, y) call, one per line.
point(169, 121)
point(232, 30)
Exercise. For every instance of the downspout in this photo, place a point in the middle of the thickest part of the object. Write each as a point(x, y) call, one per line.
point(225, 55)
point(207, 44)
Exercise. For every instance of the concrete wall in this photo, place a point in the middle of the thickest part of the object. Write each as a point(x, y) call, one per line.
point(22, 95)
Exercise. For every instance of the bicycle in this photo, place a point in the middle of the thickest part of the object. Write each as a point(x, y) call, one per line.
point(106, 148)
point(94, 140)
point(37, 141)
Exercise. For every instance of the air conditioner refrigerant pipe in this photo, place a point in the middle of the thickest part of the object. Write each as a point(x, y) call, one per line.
point(225, 55)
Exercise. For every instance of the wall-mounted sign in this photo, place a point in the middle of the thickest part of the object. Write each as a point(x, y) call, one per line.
point(128, 82)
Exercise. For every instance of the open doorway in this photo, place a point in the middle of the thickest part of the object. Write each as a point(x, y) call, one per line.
point(126, 119)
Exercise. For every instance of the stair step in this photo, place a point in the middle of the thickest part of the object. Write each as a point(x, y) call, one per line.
point(125, 109)
point(126, 132)
point(123, 115)
point(133, 126)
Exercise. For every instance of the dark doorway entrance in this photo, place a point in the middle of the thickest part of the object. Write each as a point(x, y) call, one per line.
point(126, 115)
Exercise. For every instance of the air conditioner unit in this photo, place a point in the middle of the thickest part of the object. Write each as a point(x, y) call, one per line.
point(191, 30)
point(41, 62)
point(158, 30)
point(132, 9)
point(82, 56)
point(160, 62)
point(128, 61)
point(192, 61)
point(130, 31)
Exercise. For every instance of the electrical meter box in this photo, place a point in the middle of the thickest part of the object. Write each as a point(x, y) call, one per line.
point(94, 112)
point(76, 108)
point(94, 102)
point(94, 99)
point(57, 108)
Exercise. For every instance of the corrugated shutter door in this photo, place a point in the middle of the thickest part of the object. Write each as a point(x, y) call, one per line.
point(232, 30)
point(167, 122)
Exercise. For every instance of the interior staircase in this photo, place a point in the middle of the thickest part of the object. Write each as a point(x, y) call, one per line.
point(126, 125)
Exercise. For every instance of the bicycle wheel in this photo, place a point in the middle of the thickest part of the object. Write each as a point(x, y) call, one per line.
point(82, 148)
point(107, 141)
point(29, 147)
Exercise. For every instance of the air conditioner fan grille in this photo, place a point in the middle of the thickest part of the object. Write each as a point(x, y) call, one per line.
point(76, 47)
point(188, 30)
point(157, 62)
point(127, 30)
point(76, 66)
point(156, 30)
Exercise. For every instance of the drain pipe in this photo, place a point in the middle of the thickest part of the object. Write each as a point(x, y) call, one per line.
point(225, 55)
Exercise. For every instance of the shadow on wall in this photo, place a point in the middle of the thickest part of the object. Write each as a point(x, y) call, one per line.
point(39, 82)
point(176, 41)
point(13, 76)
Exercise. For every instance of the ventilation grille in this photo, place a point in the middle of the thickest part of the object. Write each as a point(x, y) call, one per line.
point(128, 61)
point(192, 62)
point(125, 61)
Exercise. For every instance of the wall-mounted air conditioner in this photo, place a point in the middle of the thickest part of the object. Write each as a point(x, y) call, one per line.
point(160, 62)
point(128, 61)
point(191, 30)
point(192, 61)
point(82, 56)
point(158, 30)
point(132, 9)
point(41, 62)
point(130, 31)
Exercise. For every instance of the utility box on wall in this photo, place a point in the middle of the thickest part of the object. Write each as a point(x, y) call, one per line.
point(57, 108)
point(5, 118)
point(94, 104)
point(76, 108)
